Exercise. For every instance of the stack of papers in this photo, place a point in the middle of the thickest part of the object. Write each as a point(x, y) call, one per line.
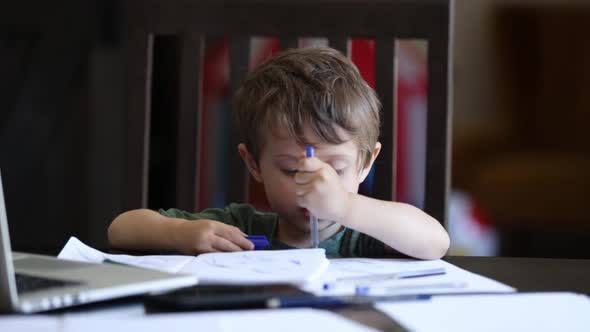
point(245, 267)
point(308, 268)
point(384, 277)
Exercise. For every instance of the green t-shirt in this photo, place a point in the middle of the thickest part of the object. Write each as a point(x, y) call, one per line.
point(346, 243)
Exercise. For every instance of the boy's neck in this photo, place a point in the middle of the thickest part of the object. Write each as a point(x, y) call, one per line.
point(294, 237)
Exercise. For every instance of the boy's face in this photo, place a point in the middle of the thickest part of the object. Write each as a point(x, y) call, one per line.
point(277, 166)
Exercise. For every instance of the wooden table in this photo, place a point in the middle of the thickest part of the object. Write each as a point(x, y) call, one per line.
point(525, 274)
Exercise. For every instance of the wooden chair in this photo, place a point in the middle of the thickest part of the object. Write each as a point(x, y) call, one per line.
point(188, 23)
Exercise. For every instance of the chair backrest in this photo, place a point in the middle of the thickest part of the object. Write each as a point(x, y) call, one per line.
point(184, 27)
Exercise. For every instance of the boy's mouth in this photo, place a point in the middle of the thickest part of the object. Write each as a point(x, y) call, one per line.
point(305, 212)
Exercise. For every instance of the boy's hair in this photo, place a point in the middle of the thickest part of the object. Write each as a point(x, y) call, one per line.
point(319, 87)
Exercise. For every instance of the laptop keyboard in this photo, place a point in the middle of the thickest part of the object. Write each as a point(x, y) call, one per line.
point(28, 283)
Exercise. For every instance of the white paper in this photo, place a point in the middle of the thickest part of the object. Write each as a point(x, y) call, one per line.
point(509, 312)
point(36, 323)
point(78, 251)
point(301, 266)
point(284, 320)
point(454, 280)
point(295, 266)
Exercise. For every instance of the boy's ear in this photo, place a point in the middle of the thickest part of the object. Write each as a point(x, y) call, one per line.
point(367, 169)
point(250, 162)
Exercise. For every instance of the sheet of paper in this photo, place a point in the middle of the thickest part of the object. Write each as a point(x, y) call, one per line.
point(285, 320)
point(78, 251)
point(255, 267)
point(29, 323)
point(508, 312)
point(247, 267)
point(454, 280)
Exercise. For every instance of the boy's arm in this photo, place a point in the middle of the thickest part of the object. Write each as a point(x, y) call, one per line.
point(147, 230)
point(401, 226)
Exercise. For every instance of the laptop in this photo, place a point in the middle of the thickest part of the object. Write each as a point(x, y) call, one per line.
point(34, 283)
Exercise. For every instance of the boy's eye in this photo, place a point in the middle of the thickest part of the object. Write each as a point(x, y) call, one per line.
point(340, 171)
point(289, 172)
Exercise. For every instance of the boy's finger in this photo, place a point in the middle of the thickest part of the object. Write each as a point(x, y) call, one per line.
point(302, 201)
point(241, 241)
point(303, 189)
point(311, 164)
point(236, 236)
point(222, 244)
point(303, 177)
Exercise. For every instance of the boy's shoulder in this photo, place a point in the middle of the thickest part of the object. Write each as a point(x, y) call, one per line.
point(244, 216)
point(248, 211)
point(250, 220)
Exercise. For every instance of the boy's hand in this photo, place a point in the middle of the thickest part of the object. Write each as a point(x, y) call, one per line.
point(319, 190)
point(201, 236)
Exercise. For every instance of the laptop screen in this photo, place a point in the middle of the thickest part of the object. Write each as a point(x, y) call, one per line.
point(8, 297)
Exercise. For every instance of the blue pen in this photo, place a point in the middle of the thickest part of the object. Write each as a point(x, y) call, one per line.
point(366, 280)
point(313, 221)
point(307, 301)
point(339, 301)
point(373, 278)
point(372, 291)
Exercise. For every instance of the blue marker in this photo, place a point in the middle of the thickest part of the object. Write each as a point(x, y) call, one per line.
point(260, 241)
point(313, 221)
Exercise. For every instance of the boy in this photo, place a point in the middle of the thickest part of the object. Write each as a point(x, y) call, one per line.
point(303, 97)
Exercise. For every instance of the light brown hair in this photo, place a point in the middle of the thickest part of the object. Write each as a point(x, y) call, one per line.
point(319, 87)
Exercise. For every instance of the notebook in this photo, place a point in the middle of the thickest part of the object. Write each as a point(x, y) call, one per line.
point(291, 266)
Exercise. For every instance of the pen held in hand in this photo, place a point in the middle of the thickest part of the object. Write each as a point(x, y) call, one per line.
point(313, 221)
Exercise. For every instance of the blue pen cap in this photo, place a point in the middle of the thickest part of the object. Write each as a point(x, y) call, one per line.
point(362, 290)
point(260, 241)
point(309, 151)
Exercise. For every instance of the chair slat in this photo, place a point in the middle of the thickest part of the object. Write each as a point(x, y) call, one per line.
point(339, 43)
point(288, 42)
point(437, 178)
point(140, 47)
point(239, 55)
point(187, 138)
point(385, 165)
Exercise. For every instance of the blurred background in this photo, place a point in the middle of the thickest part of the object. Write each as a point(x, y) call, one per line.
point(521, 108)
